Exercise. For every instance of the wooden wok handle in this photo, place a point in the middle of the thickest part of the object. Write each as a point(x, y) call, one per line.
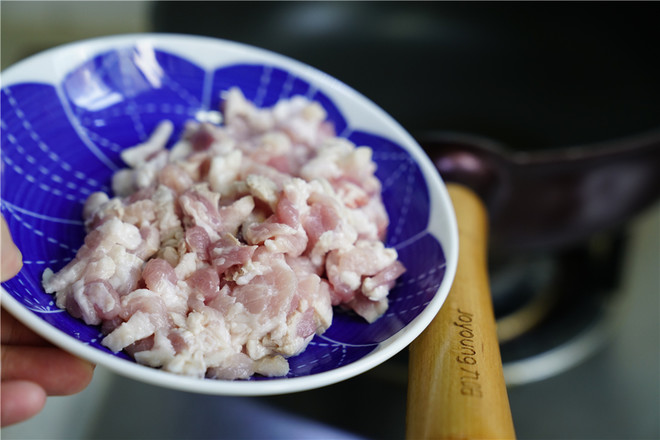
point(456, 387)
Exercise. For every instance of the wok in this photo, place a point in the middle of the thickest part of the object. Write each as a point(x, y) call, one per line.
point(547, 113)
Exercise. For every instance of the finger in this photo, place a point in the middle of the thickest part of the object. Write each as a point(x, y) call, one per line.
point(11, 259)
point(20, 400)
point(57, 372)
point(13, 332)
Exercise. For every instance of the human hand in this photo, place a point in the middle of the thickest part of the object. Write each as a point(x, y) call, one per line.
point(32, 368)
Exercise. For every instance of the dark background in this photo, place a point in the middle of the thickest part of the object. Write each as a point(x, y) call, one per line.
point(531, 75)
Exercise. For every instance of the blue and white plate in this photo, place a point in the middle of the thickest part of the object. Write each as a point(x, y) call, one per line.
point(67, 113)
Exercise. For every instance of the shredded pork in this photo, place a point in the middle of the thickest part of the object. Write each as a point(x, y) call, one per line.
point(224, 255)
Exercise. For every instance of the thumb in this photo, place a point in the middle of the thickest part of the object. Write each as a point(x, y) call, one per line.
point(11, 259)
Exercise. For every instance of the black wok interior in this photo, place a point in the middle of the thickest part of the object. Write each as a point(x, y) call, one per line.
point(531, 75)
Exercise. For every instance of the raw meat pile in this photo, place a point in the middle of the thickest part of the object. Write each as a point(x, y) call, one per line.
point(225, 254)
